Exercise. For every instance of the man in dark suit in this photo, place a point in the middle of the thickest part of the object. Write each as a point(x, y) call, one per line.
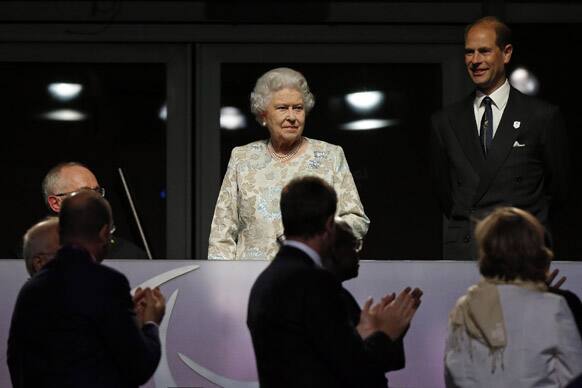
point(74, 322)
point(343, 262)
point(497, 147)
point(301, 329)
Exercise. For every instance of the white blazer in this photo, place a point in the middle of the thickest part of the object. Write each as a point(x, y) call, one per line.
point(544, 348)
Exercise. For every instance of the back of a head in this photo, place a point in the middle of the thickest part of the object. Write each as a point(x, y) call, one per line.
point(512, 246)
point(82, 217)
point(40, 241)
point(343, 261)
point(306, 205)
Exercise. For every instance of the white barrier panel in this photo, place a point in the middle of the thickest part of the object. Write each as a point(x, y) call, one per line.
point(204, 335)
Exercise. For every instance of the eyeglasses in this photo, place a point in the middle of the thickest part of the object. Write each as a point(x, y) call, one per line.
point(99, 190)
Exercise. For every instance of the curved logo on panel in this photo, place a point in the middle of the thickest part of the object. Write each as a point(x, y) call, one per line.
point(163, 376)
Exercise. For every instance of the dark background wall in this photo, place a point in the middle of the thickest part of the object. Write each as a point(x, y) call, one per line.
point(175, 187)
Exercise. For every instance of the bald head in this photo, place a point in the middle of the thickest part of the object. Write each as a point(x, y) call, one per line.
point(40, 244)
point(66, 178)
point(85, 220)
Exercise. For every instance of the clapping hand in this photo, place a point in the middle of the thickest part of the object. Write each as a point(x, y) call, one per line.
point(149, 305)
point(392, 315)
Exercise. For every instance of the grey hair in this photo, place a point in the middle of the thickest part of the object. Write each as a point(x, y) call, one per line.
point(51, 179)
point(33, 240)
point(275, 80)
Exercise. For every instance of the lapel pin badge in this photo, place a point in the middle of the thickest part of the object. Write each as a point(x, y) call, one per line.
point(516, 124)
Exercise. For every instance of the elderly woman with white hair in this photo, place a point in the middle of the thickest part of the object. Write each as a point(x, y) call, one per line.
point(247, 218)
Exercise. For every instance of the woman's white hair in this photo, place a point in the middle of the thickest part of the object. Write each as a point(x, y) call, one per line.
point(275, 80)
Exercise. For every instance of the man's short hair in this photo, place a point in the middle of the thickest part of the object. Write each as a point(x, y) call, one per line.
point(512, 246)
point(306, 205)
point(51, 179)
point(34, 242)
point(502, 31)
point(83, 215)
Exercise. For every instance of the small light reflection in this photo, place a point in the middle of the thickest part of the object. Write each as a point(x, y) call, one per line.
point(231, 118)
point(368, 124)
point(524, 81)
point(365, 101)
point(163, 114)
point(64, 91)
point(65, 115)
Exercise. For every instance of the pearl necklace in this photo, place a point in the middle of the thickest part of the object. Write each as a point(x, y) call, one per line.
point(284, 157)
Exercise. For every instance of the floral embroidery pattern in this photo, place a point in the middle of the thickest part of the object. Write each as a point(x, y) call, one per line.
point(247, 218)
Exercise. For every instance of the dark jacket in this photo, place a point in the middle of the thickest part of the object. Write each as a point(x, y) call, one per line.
point(74, 326)
point(526, 165)
point(302, 333)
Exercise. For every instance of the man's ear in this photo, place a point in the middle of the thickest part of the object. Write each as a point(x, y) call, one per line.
point(104, 233)
point(330, 223)
point(37, 263)
point(330, 226)
point(507, 51)
point(54, 203)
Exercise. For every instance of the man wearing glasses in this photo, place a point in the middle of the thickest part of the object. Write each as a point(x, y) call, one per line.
point(68, 178)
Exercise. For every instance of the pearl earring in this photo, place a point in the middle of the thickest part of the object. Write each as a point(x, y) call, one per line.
point(264, 123)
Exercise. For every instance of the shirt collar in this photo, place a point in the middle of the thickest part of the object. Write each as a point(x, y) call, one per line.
point(313, 255)
point(499, 97)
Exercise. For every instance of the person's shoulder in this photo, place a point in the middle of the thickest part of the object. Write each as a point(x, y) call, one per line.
point(247, 152)
point(552, 303)
point(125, 249)
point(534, 104)
point(253, 147)
point(455, 107)
point(105, 272)
point(323, 146)
point(320, 144)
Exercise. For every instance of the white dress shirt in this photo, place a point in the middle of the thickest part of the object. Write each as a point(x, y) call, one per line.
point(499, 100)
point(307, 249)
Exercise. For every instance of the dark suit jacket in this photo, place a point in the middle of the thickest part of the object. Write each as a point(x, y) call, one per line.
point(121, 248)
point(470, 185)
point(396, 359)
point(576, 383)
point(301, 330)
point(74, 326)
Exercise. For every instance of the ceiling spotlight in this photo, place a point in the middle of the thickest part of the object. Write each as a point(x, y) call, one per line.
point(368, 124)
point(64, 91)
point(65, 115)
point(365, 101)
point(524, 81)
point(163, 113)
point(231, 118)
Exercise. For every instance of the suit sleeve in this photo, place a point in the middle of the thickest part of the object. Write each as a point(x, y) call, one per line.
point(358, 362)
point(136, 351)
point(350, 207)
point(224, 229)
point(439, 165)
point(393, 357)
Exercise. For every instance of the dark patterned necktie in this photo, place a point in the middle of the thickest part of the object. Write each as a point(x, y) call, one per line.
point(486, 132)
